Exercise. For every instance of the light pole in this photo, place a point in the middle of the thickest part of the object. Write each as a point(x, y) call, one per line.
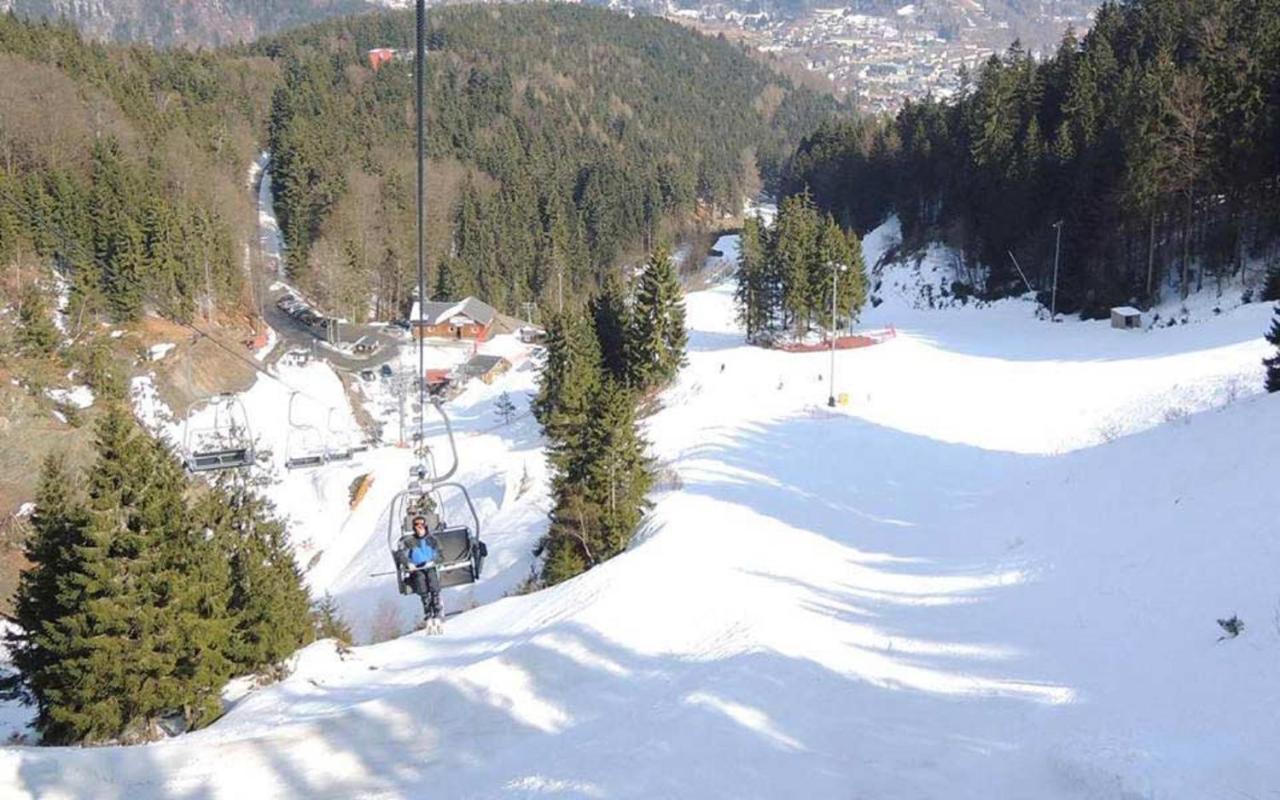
point(836, 269)
point(1053, 297)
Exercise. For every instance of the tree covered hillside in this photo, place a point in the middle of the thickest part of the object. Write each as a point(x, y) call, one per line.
point(560, 136)
point(124, 169)
point(1155, 138)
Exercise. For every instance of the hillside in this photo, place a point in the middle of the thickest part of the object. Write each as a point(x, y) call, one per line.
point(1153, 140)
point(562, 139)
point(984, 577)
point(194, 23)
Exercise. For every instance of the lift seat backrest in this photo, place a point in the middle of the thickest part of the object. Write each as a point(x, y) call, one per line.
point(455, 555)
point(230, 458)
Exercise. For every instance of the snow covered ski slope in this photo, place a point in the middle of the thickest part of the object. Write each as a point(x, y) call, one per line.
point(996, 573)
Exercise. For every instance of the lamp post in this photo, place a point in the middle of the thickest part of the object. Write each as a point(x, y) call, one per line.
point(836, 269)
point(1057, 247)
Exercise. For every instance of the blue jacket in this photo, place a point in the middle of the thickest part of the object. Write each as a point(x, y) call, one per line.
point(421, 552)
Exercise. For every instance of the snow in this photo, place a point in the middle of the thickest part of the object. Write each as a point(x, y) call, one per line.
point(270, 238)
point(996, 573)
point(78, 396)
point(159, 351)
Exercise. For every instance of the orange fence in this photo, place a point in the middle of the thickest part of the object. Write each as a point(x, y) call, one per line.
point(842, 342)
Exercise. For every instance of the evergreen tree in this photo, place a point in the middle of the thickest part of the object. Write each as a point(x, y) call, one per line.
point(1273, 363)
point(612, 320)
point(138, 623)
point(568, 380)
point(37, 335)
point(504, 408)
point(46, 590)
point(268, 603)
point(327, 620)
point(615, 470)
point(753, 296)
point(1271, 289)
point(657, 339)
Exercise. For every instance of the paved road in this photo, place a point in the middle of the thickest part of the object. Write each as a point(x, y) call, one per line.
point(296, 336)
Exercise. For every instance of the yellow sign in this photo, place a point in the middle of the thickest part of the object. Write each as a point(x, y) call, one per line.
point(842, 399)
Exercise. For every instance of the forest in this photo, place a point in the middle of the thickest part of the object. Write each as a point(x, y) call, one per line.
point(561, 140)
point(1154, 139)
point(123, 169)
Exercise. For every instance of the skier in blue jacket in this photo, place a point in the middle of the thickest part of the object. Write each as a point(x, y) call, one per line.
point(418, 555)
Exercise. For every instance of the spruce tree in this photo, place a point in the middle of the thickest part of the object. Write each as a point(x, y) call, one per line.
point(46, 591)
point(615, 471)
point(138, 623)
point(754, 299)
point(568, 381)
point(37, 335)
point(268, 605)
point(657, 340)
point(1273, 363)
point(327, 620)
point(505, 408)
point(612, 320)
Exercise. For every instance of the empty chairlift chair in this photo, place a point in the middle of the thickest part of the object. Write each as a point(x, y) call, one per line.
point(224, 443)
point(305, 446)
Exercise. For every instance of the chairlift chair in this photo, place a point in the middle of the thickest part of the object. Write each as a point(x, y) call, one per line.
point(225, 444)
point(305, 445)
point(339, 446)
point(462, 553)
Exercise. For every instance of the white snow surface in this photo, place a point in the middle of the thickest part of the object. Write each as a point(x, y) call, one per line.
point(79, 396)
point(160, 350)
point(996, 573)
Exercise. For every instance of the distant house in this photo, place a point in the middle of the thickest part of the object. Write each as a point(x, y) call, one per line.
point(1126, 317)
point(486, 368)
point(379, 56)
point(466, 319)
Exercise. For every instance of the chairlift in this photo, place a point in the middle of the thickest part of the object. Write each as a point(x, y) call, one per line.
point(305, 446)
point(225, 444)
point(462, 552)
point(339, 447)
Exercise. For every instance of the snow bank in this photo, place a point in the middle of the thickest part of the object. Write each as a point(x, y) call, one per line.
point(159, 351)
point(78, 396)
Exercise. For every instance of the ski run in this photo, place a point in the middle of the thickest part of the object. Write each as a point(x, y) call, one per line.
point(995, 573)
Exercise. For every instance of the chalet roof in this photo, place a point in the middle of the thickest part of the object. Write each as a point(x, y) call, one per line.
point(482, 364)
point(1126, 311)
point(437, 312)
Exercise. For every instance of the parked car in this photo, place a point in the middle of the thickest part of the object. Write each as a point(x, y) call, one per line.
point(386, 371)
point(366, 375)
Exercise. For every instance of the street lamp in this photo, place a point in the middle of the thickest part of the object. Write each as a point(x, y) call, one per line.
point(1057, 247)
point(836, 269)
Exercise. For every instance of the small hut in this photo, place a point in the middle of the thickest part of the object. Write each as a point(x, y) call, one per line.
point(1126, 317)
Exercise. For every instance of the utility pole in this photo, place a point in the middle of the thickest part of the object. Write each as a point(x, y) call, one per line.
point(836, 269)
point(560, 289)
point(1057, 248)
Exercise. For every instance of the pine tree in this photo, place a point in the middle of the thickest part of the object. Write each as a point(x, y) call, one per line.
point(1273, 363)
point(137, 625)
point(504, 408)
point(754, 299)
point(1271, 288)
point(568, 381)
point(612, 320)
point(615, 470)
point(657, 338)
point(327, 621)
point(268, 603)
point(37, 335)
point(46, 592)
